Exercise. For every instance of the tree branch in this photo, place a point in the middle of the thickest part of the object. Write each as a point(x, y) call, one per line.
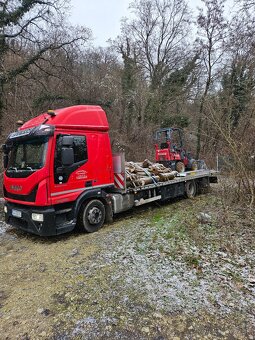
point(25, 66)
point(7, 19)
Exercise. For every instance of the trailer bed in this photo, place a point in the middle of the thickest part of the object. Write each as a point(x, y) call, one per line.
point(186, 184)
point(182, 177)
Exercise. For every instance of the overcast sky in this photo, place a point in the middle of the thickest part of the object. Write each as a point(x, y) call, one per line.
point(103, 16)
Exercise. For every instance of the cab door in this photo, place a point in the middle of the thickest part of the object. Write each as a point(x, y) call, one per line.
point(71, 169)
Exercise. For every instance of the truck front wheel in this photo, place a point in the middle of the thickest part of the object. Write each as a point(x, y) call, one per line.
point(91, 217)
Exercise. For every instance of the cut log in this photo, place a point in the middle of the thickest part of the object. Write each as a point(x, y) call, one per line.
point(167, 176)
point(140, 174)
point(147, 163)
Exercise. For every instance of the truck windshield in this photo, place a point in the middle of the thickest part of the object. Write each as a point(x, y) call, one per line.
point(28, 155)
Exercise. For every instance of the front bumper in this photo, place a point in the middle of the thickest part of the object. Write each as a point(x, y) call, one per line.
point(46, 228)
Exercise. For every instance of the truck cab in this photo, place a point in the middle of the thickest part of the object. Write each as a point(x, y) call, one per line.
point(54, 163)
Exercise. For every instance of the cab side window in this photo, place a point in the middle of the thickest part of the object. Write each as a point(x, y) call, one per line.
point(61, 173)
point(80, 149)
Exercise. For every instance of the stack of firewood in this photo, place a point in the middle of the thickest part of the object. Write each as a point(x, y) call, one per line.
point(140, 174)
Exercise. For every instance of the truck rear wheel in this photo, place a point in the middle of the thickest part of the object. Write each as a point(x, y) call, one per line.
point(92, 216)
point(190, 189)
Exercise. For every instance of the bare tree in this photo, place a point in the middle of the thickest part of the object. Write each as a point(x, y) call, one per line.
point(212, 25)
point(29, 30)
point(158, 59)
point(245, 5)
point(158, 35)
point(239, 146)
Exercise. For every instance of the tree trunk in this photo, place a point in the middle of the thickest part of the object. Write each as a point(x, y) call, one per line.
point(1, 108)
point(201, 113)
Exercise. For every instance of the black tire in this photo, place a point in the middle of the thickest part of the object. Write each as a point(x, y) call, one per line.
point(180, 167)
point(190, 189)
point(91, 217)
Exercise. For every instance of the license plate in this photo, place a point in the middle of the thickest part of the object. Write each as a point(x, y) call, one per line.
point(16, 213)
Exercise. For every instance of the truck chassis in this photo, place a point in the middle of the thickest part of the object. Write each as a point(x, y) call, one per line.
point(104, 204)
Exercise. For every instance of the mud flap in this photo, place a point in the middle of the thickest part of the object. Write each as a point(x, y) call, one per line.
point(108, 212)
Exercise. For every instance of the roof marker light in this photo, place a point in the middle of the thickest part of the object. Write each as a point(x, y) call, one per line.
point(19, 122)
point(51, 113)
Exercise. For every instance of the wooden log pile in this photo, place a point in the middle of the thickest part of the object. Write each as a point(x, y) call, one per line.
point(139, 174)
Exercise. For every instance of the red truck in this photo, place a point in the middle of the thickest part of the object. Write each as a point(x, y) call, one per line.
point(60, 173)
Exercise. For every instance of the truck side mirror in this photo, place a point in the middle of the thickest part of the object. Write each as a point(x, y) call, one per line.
point(67, 156)
point(67, 141)
point(6, 160)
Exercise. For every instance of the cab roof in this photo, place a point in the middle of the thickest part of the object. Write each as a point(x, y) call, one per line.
point(85, 117)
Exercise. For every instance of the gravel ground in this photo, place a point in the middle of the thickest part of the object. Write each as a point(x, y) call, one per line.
point(184, 270)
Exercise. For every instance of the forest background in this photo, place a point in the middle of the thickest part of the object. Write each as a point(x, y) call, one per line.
point(167, 67)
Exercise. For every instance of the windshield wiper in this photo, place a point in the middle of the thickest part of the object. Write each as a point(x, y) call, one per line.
point(13, 168)
point(21, 169)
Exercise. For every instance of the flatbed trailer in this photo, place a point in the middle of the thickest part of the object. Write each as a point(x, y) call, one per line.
point(187, 184)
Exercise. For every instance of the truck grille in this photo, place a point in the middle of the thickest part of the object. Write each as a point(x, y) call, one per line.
point(26, 198)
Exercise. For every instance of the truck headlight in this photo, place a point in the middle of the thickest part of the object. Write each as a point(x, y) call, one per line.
point(37, 217)
point(5, 209)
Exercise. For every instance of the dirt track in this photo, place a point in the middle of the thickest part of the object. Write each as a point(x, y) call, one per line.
point(165, 272)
